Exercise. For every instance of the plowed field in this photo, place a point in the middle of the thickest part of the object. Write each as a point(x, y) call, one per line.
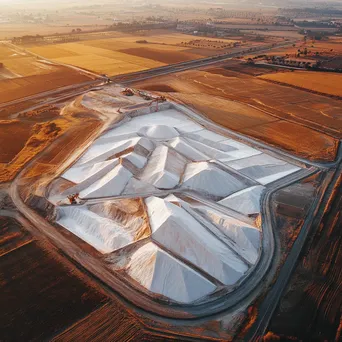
point(39, 295)
point(297, 121)
point(322, 82)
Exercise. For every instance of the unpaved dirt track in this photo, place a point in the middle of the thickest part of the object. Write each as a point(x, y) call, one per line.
point(44, 229)
point(271, 301)
point(175, 311)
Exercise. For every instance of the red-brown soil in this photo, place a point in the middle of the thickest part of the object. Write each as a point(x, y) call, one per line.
point(281, 133)
point(44, 113)
point(39, 296)
point(11, 235)
point(67, 143)
point(160, 87)
point(244, 68)
point(167, 57)
point(72, 131)
point(13, 89)
point(310, 309)
point(41, 135)
point(290, 207)
point(13, 137)
point(297, 121)
point(109, 323)
point(319, 82)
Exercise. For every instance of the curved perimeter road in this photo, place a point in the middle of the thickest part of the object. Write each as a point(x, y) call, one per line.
point(248, 290)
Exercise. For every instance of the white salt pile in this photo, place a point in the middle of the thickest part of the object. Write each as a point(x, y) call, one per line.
point(112, 184)
point(246, 201)
point(171, 117)
point(263, 168)
point(102, 233)
point(243, 237)
point(159, 132)
point(180, 233)
point(185, 149)
point(136, 159)
point(78, 174)
point(164, 168)
point(101, 151)
point(207, 178)
point(161, 273)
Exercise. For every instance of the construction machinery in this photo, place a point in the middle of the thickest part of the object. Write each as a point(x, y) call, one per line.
point(157, 101)
point(145, 96)
point(73, 198)
point(128, 92)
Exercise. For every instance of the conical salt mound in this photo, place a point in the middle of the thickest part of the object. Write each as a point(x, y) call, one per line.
point(164, 168)
point(243, 238)
point(207, 178)
point(112, 184)
point(246, 201)
point(181, 233)
point(161, 273)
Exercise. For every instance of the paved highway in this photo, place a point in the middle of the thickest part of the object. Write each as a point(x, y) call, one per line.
point(194, 64)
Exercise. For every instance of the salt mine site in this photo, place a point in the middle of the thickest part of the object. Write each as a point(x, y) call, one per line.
point(189, 227)
point(170, 171)
point(171, 206)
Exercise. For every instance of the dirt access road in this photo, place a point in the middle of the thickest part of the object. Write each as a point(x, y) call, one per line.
point(95, 266)
point(272, 299)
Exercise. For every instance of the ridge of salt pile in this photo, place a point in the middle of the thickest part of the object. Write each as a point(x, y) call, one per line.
point(102, 233)
point(164, 168)
point(206, 137)
point(173, 117)
point(112, 184)
point(78, 174)
point(207, 178)
point(263, 168)
point(136, 186)
point(244, 238)
point(161, 273)
point(159, 132)
point(100, 151)
point(225, 150)
point(184, 148)
point(179, 232)
point(246, 201)
point(136, 159)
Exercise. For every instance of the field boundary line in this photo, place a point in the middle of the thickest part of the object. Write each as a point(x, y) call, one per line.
point(18, 247)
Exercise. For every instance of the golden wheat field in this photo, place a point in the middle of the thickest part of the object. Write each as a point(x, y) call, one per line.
point(317, 81)
point(129, 53)
point(21, 63)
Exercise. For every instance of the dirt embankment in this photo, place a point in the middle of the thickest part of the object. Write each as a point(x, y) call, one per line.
point(37, 138)
point(13, 137)
point(24, 138)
